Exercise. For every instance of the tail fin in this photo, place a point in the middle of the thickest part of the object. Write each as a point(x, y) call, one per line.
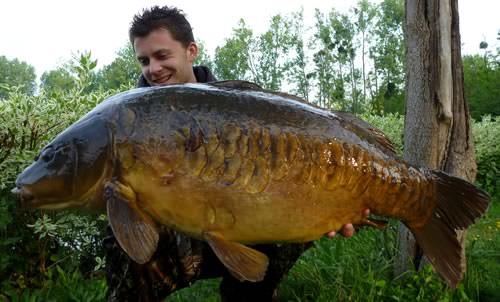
point(459, 203)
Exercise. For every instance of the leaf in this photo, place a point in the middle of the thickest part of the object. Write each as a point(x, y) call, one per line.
point(380, 283)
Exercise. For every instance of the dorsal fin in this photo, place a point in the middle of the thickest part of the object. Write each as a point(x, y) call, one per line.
point(237, 84)
point(367, 132)
point(246, 85)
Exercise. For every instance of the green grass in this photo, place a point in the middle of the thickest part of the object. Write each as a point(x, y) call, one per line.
point(360, 269)
point(484, 253)
point(203, 290)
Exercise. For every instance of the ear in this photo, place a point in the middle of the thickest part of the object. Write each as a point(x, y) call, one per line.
point(192, 51)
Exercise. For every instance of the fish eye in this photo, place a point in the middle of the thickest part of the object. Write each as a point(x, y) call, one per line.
point(47, 154)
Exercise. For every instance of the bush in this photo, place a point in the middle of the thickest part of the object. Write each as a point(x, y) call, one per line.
point(36, 244)
point(392, 125)
point(487, 143)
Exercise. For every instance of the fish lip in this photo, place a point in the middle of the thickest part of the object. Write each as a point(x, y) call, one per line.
point(24, 195)
point(27, 198)
point(15, 191)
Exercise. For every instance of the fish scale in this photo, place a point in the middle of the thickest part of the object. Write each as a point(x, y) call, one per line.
point(256, 151)
point(233, 164)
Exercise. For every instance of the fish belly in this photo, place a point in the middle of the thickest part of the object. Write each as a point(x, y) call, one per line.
point(283, 212)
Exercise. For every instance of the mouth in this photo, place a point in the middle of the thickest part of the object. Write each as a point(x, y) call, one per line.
point(24, 195)
point(163, 80)
point(27, 199)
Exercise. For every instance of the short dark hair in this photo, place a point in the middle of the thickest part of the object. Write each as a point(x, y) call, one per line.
point(169, 18)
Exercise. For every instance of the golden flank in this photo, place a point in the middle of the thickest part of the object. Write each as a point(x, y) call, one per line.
point(233, 164)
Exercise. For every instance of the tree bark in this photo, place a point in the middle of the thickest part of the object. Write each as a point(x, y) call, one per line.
point(437, 129)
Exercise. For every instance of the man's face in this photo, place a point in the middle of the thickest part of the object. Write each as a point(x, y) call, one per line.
point(165, 60)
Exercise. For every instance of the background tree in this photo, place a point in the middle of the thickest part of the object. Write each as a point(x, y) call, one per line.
point(482, 84)
point(16, 73)
point(387, 52)
point(124, 70)
point(437, 129)
point(203, 57)
point(298, 73)
point(232, 60)
point(59, 79)
point(332, 52)
point(364, 13)
point(272, 54)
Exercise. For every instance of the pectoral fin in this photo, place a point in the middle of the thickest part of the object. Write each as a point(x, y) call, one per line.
point(134, 230)
point(243, 263)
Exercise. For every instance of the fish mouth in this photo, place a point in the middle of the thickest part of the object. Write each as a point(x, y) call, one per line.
point(28, 199)
point(24, 195)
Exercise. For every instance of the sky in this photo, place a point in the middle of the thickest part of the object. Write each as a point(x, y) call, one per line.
point(46, 33)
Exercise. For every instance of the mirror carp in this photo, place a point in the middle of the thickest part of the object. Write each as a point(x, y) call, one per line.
point(236, 165)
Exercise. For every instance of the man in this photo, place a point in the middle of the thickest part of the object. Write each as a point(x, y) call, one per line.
point(164, 46)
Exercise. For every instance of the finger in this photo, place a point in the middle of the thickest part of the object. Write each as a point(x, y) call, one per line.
point(366, 213)
point(331, 234)
point(348, 230)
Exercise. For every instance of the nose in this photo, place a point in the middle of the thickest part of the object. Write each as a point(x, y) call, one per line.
point(154, 67)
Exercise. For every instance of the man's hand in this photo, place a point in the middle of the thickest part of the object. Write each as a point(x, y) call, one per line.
point(348, 229)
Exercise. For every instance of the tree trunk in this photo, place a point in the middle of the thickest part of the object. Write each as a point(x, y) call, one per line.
point(437, 129)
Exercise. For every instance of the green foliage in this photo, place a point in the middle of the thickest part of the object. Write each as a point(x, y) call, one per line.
point(364, 13)
point(14, 73)
point(392, 125)
point(487, 143)
point(202, 290)
point(59, 79)
point(272, 49)
point(298, 71)
point(122, 73)
point(484, 253)
point(232, 60)
point(34, 243)
point(203, 57)
point(328, 63)
point(62, 286)
point(266, 59)
point(333, 58)
point(79, 72)
point(387, 52)
point(482, 84)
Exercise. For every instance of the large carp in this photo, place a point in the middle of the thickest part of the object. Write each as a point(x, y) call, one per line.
point(233, 164)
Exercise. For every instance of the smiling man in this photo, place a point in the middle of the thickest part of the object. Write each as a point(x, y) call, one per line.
point(165, 48)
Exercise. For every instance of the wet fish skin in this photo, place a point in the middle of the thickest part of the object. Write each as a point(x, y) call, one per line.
point(233, 164)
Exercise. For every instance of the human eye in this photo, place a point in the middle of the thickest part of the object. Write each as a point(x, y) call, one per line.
point(143, 61)
point(163, 55)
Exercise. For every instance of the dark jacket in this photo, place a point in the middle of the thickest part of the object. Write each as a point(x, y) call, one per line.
point(201, 73)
